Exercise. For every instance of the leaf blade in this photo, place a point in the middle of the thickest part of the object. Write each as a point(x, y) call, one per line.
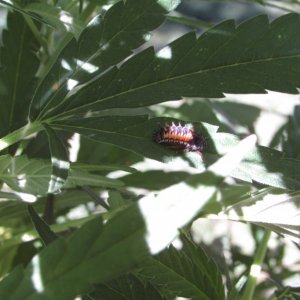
point(224, 59)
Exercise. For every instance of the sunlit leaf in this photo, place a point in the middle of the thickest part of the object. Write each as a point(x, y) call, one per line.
point(254, 57)
point(270, 208)
point(104, 42)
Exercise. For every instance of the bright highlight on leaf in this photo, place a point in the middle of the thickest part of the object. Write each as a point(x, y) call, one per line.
point(175, 206)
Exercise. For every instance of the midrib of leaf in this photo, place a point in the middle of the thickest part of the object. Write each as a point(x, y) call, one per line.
point(167, 79)
point(14, 96)
point(77, 69)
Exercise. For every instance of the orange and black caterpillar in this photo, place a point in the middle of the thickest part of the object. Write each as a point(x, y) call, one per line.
point(180, 137)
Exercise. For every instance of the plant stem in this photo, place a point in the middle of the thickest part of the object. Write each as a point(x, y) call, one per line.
point(256, 266)
point(20, 134)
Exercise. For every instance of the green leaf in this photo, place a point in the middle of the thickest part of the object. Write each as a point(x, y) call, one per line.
point(270, 208)
point(56, 17)
point(102, 252)
point(185, 273)
point(59, 159)
point(18, 65)
point(104, 42)
point(125, 288)
point(43, 229)
point(33, 177)
point(254, 57)
point(131, 133)
point(262, 164)
point(98, 251)
point(154, 179)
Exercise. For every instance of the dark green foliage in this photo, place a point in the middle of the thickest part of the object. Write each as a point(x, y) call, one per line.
point(19, 64)
point(108, 218)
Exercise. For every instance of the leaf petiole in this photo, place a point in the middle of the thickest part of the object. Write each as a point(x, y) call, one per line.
point(20, 134)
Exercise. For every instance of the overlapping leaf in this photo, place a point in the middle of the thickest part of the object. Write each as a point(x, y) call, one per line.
point(99, 246)
point(19, 64)
point(254, 57)
point(270, 208)
point(263, 165)
point(106, 41)
point(103, 251)
point(56, 18)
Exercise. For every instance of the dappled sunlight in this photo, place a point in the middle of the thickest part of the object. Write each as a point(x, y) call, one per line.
point(3, 144)
point(59, 163)
point(271, 208)
point(66, 65)
point(55, 184)
point(166, 213)
point(86, 66)
point(36, 276)
point(26, 197)
point(71, 83)
point(56, 181)
point(165, 53)
point(234, 156)
point(22, 180)
point(27, 237)
point(67, 20)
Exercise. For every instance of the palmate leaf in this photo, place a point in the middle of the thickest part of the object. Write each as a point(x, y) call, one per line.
point(18, 65)
point(254, 57)
point(33, 176)
point(106, 41)
point(263, 165)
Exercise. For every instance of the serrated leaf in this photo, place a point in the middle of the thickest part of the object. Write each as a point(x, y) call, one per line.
point(18, 65)
point(132, 133)
point(104, 42)
point(270, 208)
point(56, 17)
point(262, 164)
point(254, 57)
point(49, 272)
point(185, 273)
point(125, 288)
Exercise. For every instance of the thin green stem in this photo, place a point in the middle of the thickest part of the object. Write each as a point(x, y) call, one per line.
point(37, 34)
point(20, 134)
point(87, 12)
point(256, 266)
